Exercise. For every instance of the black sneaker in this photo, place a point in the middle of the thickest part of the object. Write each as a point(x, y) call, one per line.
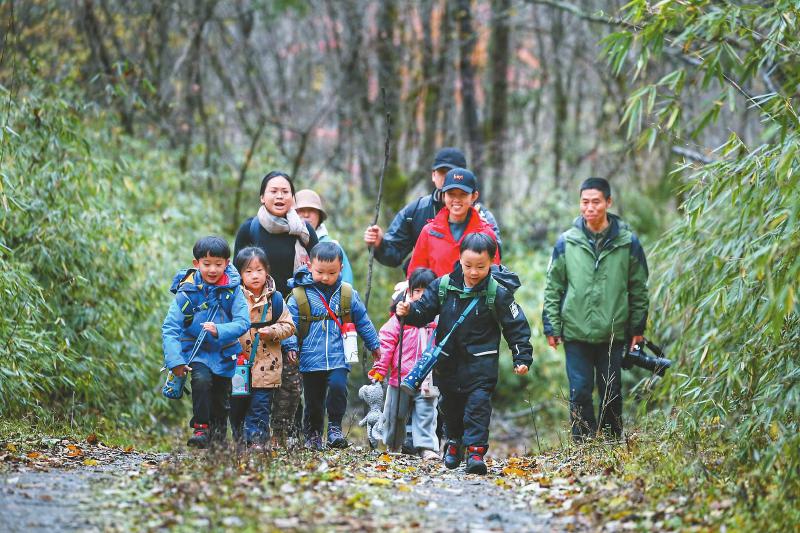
point(453, 454)
point(199, 438)
point(475, 464)
point(336, 437)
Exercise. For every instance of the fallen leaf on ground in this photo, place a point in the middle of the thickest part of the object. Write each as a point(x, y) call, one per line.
point(514, 471)
point(92, 438)
point(90, 462)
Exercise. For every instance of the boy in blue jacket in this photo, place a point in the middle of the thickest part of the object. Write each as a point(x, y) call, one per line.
point(321, 305)
point(208, 298)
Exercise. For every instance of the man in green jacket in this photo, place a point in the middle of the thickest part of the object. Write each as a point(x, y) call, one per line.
point(596, 301)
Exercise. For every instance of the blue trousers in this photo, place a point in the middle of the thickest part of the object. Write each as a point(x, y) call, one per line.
point(467, 415)
point(250, 416)
point(210, 401)
point(325, 389)
point(587, 365)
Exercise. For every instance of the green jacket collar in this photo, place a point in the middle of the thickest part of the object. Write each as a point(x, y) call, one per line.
point(619, 235)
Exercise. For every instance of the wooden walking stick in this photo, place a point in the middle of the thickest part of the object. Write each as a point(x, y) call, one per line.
point(386, 147)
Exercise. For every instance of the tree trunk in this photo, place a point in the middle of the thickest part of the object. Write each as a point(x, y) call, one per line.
point(466, 43)
point(432, 78)
point(498, 113)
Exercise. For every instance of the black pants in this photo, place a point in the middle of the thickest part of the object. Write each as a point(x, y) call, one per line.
point(210, 401)
point(467, 415)
point(587, 365)
point(326, 389)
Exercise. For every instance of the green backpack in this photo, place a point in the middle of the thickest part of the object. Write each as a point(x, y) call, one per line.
point(304, 309)
point(490, 292)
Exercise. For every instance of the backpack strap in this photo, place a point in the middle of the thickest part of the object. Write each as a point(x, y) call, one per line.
point(444, 287)
point(304, 315)
point(277, 306)
point(346, 302)
point(185, 303)
point(254, 226)
point(491, 297)
point(490, 292)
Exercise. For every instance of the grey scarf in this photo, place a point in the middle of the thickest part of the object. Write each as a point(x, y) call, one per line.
point(291, 224)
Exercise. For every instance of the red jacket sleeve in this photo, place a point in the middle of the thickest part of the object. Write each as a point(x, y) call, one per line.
point(421, 256)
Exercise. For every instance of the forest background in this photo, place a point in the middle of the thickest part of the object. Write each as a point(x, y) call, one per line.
point(128, 129)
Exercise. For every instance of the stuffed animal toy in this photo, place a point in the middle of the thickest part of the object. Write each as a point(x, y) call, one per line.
point(373, 396)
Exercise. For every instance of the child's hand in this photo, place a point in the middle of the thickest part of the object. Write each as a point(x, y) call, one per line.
point(210, 327)
point(269, 333)
point(375, 376)
point(291, 357)
point(180, 370)
point(520, 370)
point(376, 354)
point(403, 308)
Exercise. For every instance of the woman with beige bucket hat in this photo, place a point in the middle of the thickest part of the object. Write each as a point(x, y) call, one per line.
point(308, 205)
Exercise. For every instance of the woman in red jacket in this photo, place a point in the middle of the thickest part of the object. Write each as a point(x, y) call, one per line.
point(438, 245)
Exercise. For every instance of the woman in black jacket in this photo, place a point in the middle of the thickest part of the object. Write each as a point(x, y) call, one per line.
point(277, 229)
point(286, 238)
point(466, 373)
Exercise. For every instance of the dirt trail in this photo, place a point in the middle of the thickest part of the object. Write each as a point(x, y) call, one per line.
point(62, 485)
point(59, 485)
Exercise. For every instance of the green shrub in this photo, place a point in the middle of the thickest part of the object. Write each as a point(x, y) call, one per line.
point(93, 227)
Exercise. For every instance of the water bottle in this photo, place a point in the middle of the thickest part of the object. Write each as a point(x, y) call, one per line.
point(413, 380)
point(350, 340)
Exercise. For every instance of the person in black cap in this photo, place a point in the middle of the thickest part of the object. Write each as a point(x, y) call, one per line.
point(392, 248)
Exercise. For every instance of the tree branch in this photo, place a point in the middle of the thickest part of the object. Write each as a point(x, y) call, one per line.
point(692, 154)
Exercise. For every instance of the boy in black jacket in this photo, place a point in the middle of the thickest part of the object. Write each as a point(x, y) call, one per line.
point(466, 374)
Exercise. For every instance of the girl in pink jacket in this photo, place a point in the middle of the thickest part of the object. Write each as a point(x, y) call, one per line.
point(422, 406)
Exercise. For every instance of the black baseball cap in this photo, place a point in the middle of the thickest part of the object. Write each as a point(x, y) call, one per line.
point(449, 158)
point(460, 178)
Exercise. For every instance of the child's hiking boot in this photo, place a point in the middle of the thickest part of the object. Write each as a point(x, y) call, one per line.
point(314, 442)
point(475, 464)
point(453, 454)
point(199, 438)
point(336, 437)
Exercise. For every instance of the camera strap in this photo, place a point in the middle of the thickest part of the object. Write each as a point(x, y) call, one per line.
point(202, 336)
point(460, 320)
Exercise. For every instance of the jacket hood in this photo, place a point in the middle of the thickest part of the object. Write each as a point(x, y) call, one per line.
point(506, 278)
point(193, 280)
point(502, 275)
point(301, 278)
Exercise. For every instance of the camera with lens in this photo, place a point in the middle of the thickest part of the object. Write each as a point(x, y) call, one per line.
point(637, 356)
